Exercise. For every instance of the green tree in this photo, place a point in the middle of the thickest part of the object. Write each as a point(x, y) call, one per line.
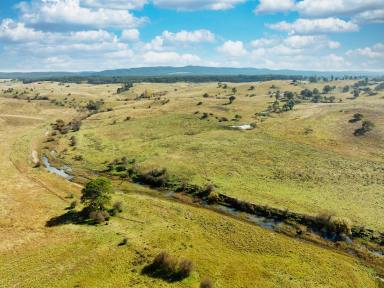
point(290, 104)
point(231, 99)
point(327, 89)
point(97, 194)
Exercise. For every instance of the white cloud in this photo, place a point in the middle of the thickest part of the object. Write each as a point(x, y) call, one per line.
point(272, 6)
point(115, 4)
point(182, 37)
point(16, 32)
point(358, 10)
point(130, 35)
point(374, 52)
point(325, 8)
point(233, 48)
point(315, 41)
point(198, 4)
point(169, 58)
point(311, 26)
point(69, 12)
point(374, 16)
point(264, 42)
point(196, 36)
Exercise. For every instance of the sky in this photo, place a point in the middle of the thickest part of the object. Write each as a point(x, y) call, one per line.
point(93, 35)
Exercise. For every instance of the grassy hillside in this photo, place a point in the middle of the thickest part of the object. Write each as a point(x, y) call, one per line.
point(306, 160)
point(232, 253)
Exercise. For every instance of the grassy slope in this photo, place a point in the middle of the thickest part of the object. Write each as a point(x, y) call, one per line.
point(277, 164)
point(232, 253)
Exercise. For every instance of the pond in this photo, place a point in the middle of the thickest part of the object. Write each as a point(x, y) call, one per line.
point(243, 127)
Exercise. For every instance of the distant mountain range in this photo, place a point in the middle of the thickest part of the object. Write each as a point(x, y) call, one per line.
point(182, 71)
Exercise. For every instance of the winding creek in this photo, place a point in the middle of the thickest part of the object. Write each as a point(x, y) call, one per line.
point(264, 222)
point(62, 172)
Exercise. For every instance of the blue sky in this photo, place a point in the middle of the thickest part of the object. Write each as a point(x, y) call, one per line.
point(73, 35)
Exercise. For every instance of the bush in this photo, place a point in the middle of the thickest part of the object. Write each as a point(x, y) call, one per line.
point(98, 217)
point(341, 225)
point(356, 118)
point(213, 197)
point(206, 283)
point(73, 205)
point(124, 241)
point(165, 263)
point(78, 158)
point(185, 268)
point(73, 141)
point(168, 267)
point(157, 177)
point(117, 208)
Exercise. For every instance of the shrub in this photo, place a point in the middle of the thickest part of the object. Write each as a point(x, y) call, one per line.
point(341, 225)
point(165, 263)
point(73, 205)
point(168, 267)
point(116, 208)
point(124, 241)
point(204, 116)
point(157, 177)
point(73, 141)
point(98, 217)
point(213, 197)
point(356, 118)
point(185, 268)
point(206, 283)
point(78, 158)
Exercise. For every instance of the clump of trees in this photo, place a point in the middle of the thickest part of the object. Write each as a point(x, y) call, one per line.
point(156, 177)
point(316, 97)
point(169, 268)
point(356, 118)
point(64, 128)
point(94, 106)
point(124, 88)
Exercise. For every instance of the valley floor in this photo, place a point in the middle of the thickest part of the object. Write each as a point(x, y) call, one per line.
point(230, 252)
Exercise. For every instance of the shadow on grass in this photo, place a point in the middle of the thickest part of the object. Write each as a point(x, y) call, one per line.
point(153, 271)
point(70, 217)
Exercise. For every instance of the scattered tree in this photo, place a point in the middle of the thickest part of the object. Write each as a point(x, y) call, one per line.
point(232, 99)
point(97, 194)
